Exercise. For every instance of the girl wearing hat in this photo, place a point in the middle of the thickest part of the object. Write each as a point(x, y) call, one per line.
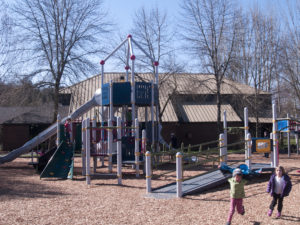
point(237, 193)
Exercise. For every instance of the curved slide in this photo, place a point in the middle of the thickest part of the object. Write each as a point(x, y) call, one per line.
point(50, 131)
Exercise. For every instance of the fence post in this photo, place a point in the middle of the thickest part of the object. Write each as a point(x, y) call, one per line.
point(88, 151)
point(119, 151)
point(179, 174)
point(249, 143)
point(148, 171)
point(222, 149)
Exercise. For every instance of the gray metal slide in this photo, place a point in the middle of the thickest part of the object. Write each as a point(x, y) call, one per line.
point(50, 131)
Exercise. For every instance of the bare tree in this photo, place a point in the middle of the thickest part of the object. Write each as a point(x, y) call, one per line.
point(290, 55)
point(258, 59)
point(5, 44)
point(211, 28)
point(153, 32)
point(57, 40)
point(23, 93)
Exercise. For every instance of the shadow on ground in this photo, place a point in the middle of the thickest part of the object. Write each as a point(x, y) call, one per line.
point(15, 183)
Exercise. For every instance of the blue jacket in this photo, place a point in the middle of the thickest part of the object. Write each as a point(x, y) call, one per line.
point(287, 187)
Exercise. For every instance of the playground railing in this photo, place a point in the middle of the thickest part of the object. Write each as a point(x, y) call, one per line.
point(194, 162)
point(163, 163)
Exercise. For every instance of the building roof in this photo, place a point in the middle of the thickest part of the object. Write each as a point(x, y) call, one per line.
point(208, 113)
point(261, 119)
point(185, 83)
point(30, 114)
point(180, 84)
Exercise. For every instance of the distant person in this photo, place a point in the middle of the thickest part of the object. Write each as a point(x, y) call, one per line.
point(174, 141)
point(68, 130)
point(237, 193)
point(279, 186)
point(122, 79)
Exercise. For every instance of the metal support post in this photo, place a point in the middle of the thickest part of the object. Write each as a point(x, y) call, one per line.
point(148, 171)
point(58, 130)
point(222, 150)
point(88, 152)
point(119, 152)
point(246, 128)
point(83, 149)
point(225, 135)
point(249, 143)
point(275, 139)
point(179, 174)
point(110, 142)
point(136, 148)
point(288, 136)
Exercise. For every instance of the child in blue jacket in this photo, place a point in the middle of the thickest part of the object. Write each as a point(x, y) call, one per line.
point(279, 186)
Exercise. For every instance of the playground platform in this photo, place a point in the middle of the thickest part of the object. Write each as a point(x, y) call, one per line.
point(262, 166)
point(195, 185)
point(201, 183)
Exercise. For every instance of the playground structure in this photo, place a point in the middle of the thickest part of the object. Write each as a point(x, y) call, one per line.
point(119, 123)
point(125, 97)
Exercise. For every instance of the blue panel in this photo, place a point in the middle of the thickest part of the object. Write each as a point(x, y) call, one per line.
point(143, 92)
point(105, 94)
point(121, 93)
point(282, 125)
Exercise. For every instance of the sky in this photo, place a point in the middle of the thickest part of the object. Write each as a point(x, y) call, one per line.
point(123, 11)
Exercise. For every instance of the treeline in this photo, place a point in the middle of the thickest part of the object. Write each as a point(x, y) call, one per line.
point(24, 93)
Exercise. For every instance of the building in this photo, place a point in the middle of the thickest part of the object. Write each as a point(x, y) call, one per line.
point(20, 124)
point(188, 104)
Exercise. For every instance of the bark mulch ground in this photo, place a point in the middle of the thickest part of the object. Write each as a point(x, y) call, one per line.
point(26, 199)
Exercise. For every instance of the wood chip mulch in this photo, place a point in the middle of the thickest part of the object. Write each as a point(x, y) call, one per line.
point(26, 199)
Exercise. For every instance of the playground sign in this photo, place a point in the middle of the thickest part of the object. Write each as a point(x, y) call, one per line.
point(286, 125)
point(261, 145)
point(282, 125)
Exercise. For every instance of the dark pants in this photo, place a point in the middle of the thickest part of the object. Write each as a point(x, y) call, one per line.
point(68, 137)
point(276, 197)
